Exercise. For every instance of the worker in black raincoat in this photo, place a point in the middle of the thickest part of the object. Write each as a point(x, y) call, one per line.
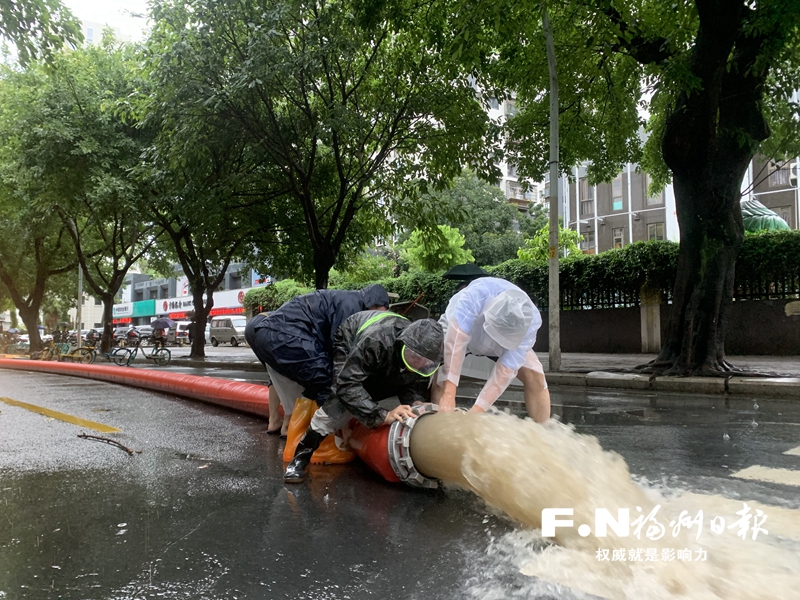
point(377, 355)
point(295, 342)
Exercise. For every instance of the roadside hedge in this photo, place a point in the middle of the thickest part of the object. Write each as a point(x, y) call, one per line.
point(768, 267)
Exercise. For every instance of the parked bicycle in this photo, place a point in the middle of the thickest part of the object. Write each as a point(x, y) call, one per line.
point(159, 354)
point(61, 351)
point(91, 342)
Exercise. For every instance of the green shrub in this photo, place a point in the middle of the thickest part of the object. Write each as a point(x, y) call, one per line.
point(272, 296)
point(768, 267)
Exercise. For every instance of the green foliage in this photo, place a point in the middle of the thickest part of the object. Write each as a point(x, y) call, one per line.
point(38, 27)
point(369, 266)
point(272, 296)
point(484, 217)
point(70, 151)
point(768, 266)
point(537, 248)
point(346, 120)
point(430, 252)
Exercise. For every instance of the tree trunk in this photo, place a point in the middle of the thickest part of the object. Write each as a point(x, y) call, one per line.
point(108, 323)
point(323, 263)
point(712, 232)
point(30, 316)
point(201, 311)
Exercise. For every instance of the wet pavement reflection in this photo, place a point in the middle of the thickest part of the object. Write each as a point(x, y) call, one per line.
point(202, 512)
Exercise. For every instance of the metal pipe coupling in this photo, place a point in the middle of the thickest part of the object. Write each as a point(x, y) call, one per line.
point(400, 454)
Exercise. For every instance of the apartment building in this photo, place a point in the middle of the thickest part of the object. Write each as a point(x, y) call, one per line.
point(615, 214)
point(515, 192)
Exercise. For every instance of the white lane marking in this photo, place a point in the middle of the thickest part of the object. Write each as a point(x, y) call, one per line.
point(793, 451)
point(759, 473)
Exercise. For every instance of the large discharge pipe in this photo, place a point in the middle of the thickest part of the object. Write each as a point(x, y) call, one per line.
point(418, 452)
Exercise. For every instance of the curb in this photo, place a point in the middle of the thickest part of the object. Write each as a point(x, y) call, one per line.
point(779, 388)
point(785, 388)
point(217, 364)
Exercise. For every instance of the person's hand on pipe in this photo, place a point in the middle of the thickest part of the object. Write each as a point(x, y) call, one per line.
point(401, 413)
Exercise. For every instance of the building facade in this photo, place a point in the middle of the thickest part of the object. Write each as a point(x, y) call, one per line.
point(615, 214)
point(512, 186)
point(145, 298)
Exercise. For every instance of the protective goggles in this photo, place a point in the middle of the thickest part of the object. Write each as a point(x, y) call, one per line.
point(418, 363)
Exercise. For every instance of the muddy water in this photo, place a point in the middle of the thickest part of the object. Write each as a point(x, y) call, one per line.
point(521, 468)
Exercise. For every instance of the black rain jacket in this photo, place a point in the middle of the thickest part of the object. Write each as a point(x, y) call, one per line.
point(297, 339)
point(368, 365)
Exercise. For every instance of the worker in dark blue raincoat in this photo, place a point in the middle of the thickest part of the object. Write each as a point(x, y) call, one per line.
point(377, 355)
point(295, 342)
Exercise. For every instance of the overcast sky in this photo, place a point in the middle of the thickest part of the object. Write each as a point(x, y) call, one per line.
point(116, 13)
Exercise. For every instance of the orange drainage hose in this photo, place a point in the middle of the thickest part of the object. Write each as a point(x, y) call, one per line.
point(384, 449)
point(238, 395)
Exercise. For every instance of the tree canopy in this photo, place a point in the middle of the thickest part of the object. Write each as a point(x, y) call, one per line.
point(707, 80)
point(38, 27)
point(343, 102)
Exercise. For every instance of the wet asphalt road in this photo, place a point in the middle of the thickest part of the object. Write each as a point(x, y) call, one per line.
point(202, 512)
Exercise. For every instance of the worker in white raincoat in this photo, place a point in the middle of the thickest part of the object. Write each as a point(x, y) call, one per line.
point(493, 317)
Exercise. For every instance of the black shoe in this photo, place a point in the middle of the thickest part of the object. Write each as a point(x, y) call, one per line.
point(296, 471)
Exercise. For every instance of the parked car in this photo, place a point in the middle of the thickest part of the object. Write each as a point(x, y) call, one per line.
point(228, 330)
point(179, 334)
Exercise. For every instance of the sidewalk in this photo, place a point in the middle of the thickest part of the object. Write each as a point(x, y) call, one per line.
point(595, 371)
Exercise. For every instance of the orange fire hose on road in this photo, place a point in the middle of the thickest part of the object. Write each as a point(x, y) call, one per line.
point(384, 449)
point(238, 395)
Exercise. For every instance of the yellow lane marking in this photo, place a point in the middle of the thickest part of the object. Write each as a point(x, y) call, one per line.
point(793, 451)
point(61, 416)
point(759, 473)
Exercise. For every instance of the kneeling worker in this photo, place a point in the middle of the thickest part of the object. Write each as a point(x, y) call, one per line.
point(377, 355)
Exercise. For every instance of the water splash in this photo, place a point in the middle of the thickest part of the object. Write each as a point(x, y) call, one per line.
point(521, 468)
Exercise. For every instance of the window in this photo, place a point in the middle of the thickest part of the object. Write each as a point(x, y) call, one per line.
point(588, 241)
point(778, 175)
point(618, 234)
point(655, 231)
point(511, 108)
point(652, 200)
point(493, 103)
point(616, 193)
point(587, 207)
point(586, 191)
point(514, 189)
point(512, 170)
point(89, 35)
point(97, 302)
point(785, 213)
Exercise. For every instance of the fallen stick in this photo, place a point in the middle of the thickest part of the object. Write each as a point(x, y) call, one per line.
point(109, 441)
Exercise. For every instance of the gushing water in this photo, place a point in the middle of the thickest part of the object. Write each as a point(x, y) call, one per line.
point(522, 468)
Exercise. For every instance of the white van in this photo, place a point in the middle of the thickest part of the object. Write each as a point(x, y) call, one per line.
point(228, 330)
point(179, 335)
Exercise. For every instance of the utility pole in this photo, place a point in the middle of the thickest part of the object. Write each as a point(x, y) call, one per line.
point(554, 320)
point(79, 312)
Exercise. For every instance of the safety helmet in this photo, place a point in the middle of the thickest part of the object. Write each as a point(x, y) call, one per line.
point(508, 317)
point(423, 346)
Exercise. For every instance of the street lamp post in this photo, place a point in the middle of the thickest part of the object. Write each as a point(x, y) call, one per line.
point(554, 321)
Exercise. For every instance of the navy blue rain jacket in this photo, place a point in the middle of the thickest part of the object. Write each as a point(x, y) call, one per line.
point(297, 339)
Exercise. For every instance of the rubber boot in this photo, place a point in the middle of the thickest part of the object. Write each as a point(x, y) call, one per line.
point(296, 471)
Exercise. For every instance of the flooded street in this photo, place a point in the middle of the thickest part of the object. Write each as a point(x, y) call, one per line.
point(202, 511)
